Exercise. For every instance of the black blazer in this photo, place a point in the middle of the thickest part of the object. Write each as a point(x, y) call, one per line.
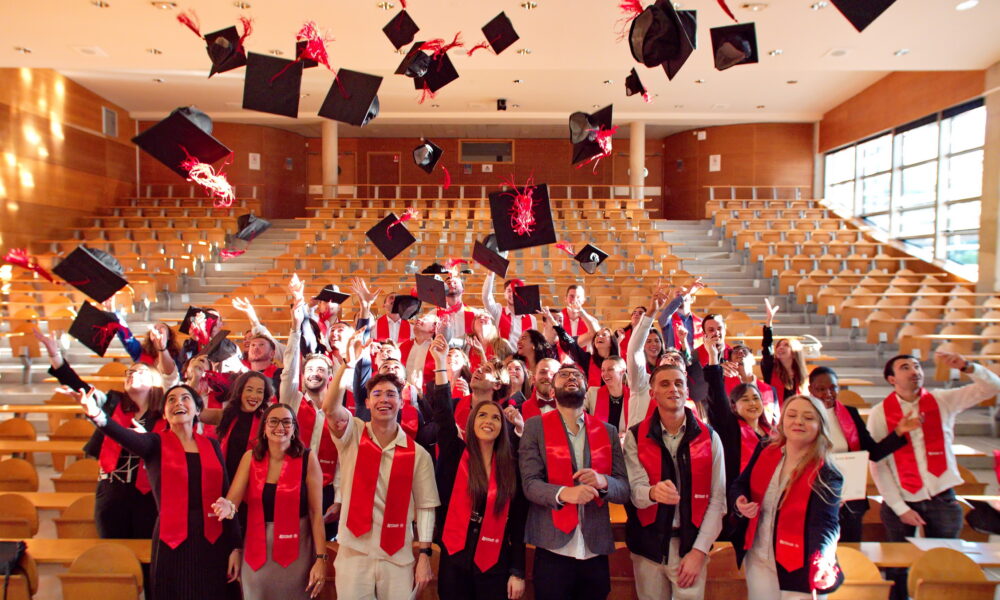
point(723, 420)
point(876, 451)
point(822, 524)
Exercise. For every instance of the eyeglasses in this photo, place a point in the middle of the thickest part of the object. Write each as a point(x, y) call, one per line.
point(283, 423)
point(568, 374)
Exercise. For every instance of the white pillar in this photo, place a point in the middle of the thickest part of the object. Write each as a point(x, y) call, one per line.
point(637, 158)
point(989, 219)
point(329, 158)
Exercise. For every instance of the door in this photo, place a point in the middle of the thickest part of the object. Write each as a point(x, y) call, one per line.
point(383, 174)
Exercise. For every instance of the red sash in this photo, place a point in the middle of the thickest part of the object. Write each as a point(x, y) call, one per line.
point(603, 402)
point(382, 330)
point(462, 409)
point(327, 451)
point(174, 489)
point(848, 427)
point(905, 457)
point(580, 329)
point(251, 439)
point(790, 526)
point(700, 448)
point(397, 497)
point(531, 407)
point(594, 378)
point(748, 443)
point(111, 450)
point(285, 546)
point(506, 323)
point(456, 524)
point(559, 461)
point(408, 416)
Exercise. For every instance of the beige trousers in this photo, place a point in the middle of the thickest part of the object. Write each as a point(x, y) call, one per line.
point(360, 577)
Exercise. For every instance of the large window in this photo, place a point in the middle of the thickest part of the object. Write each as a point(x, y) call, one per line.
point(921, 183)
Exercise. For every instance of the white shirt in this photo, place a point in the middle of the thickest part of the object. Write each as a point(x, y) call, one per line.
point(763, 541)
point(576, 547)
point(393, 327)
point(950, 402)
point(635, 372)
point(415, 362)
point(836, 433)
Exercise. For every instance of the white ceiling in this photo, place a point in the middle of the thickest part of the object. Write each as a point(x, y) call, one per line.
point(573, 51)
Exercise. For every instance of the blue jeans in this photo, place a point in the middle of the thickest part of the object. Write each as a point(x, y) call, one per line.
point(943, 517)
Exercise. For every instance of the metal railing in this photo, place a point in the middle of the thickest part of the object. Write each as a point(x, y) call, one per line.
point(771, 192)
point(437, 191)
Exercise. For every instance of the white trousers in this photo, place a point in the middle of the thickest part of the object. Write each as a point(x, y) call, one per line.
point(762, 581)
point(360, 577)
point(655, 581)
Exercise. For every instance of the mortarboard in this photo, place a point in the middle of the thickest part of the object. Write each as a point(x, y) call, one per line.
point(390, 236)
point(427, 155)
point(300, 47)
point(633, 85)
point(406, 306)
point(250, 226)
point(186, 129)
point(734, 45)
point(439, 73)
point(219, 348)
point(331, 293)
point(489, 258)
point(272, 85)
point(431, 290)
point(415, 63)
point(225, 49)
point(191, 315)
point(526, 300)
point(401, 29)
point(500, 33)
point(94, 328)
point(689, 42)
point(861, 13)
point(542, 232)
point(435, 269)
point(353, 98)
point(94, 272)
point(583, 130)
point(657, 35)
point(590, 258)
point(983, 517)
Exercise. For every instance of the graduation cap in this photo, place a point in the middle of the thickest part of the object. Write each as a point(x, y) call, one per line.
point(250, 226)
point(401, 29)
point(689, 42)
point(331, 293)
point(186, 129)
point(490, 258)
point(191, 315)
point(435, 269)
point(219, 348)
point(583, 130)
point(527, 300)
point(300, 47)
point(272, 85)
point(94, 328)
point(431, 290)
point(94, 272)
point(439, 73)
point(427, 155)
point(590, 258)
point(542, 232)
point(983, 517)
point(734, 45)
point(500, 33)
point(861, 13)
point(657, 35)
point(390, 236)
point(353, 98)
point(225, 49)
point(415, 63)
point(406, 306)
point(633, 85)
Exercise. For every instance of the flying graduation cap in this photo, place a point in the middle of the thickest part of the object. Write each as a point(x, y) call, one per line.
point(487, 254)
point(431, 290)
point(861, 13)
point(734, 45)
point(94, 272)
point(406, 306)
point(633, 86)
point(331, 293)
point(353, 98)
point(659, 35)
point(272, 85)
point(527, 299)
point(390, 236)
point(522, 218)
point(401, 29)
point(94, 328)
point(586, 131)
point(186, 132)
point(500, 34)
point(250, 226)
point(427, 155)
point(225, 46)
point(590, 258)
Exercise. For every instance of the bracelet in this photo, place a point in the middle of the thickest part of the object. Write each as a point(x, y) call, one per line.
point(427, 551)
point(440, 370)
point(323, 556)
point(163, 349)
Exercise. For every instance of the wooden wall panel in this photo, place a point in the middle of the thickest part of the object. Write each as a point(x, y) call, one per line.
point(896, 99)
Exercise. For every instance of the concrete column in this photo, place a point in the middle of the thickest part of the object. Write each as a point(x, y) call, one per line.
point(329, 159)
point(637, 158)
point(989, 224)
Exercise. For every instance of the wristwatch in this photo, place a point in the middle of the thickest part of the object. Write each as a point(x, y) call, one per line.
point(968, 367)
point(427, 551)
point(323, 556)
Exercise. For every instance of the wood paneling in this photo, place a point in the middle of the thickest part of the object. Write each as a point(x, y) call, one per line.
point(896, 99)
point(57, 166)
point(759, 154)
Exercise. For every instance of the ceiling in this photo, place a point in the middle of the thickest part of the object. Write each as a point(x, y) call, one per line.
point(575, 62)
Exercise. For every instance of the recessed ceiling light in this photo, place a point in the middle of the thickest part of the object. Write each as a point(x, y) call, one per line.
point(760, 106)
point(819, 5)
point(754, 6)
point(100, 3)
point(435, 106)
point(596, 105)
point(518, 81)
point(529, 5)
point(386, 5)
point(22, 50)
point(275, 52)
point(154, 51)
point(400, 50)
point(241, 5)
point(163, 5)
point(967, 4)
point(699, 81)
point(776, 52)
point(305, 95)
point(609, 81)
point(524, 51)
point(901, 52)
point(158, 80)
point(792, 81)
point(515, 106)
point(678, 106)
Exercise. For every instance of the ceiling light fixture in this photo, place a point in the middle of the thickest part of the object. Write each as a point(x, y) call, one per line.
point(275, 52)
point(760, 106)
point(699, 81)
point(609, 81)
point(158, 80)
point(400, 50)
point(305, 95)
point(596, 106)
point(518, 81)
point(22, 50)
point(754, 6)
point(524, 51)
point(435, 106)
point(529, 5)
point(678, 106)
point(776, 52)
point(154, 51)
point(901, 52)
point(241, 5)
point(967, 4)
point(100, 3)
point(163, 5)
point(515, 106)
point(819, 5)
point(792, 81)
point(386, 5)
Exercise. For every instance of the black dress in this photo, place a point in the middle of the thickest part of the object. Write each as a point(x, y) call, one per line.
point(196, 569)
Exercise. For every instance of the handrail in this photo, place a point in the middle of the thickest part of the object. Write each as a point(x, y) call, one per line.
point(191, 190)
point(797, 191)
point(459, 190)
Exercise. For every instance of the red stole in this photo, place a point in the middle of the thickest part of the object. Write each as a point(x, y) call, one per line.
point(580, 329)
point(603, 401)
point(651, 457)
point(174, 489)
point(531, 407)
point(111, 450)
point(327, 451)
point(148, 359)
point(559, 460)
point(251, 439)
point(748, 443)
point(397, 497)
point(456, 524)
point(594, 378)
point(848, 427)
point(905, 457)
point(382, 332)
point(506, 323)
point(623, 344)
point(462, 409)
point(285, 547)
point(790, 526)
point(409, 419)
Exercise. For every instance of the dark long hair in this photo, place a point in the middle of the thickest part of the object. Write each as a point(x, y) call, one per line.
point(199, 402)
point(503, 456)
point(542, 348)
point(295, 449)
point(737, 392)
point(173, 345)
point(234, 400)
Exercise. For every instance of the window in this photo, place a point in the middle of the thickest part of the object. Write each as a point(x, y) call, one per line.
point(109, 122)
point(920, 183)
point(486, 151)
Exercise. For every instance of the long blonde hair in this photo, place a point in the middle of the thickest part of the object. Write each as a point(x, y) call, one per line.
point(799, 375)
point(819, 453)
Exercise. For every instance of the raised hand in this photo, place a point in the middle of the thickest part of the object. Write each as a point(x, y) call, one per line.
point(461, 386)
point(713, 354)
point(682, 333)
point(296, 288)
point(439, 350)
point(356, 347)
point(365, 296)
point(952, 360)
point(49, 341)
point(771, 310)
point(746, 508)
point(515, 418)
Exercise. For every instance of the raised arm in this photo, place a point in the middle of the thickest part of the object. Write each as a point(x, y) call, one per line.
point(985, 383)
point(489, 303)
point(767, 343)
point(290, 393)
point(593, 325)
point(144, 445)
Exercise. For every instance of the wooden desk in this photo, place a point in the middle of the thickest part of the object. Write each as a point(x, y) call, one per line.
point(74, 448)
point(52, 500)
point(64, 551)
point(963, 450)
point(51, 409)
point(849, 382)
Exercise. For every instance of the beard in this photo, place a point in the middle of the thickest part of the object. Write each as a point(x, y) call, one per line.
point(571, 398)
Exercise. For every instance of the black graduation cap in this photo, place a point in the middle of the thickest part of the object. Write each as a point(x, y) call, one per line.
point(431, 290)
point(331, 293)
point(657, 35)
point(489, 258)
point(415, 63)
point(401, 29)
point(406, 306)
point(353, 98)
point(191, 314)
point(435, 269)
point(300, 47)
point(527, 300)
point(861, 13)
point(92, 327)
point(543, 231)
point(390, 242)
point(219, 348)
point(94, 272)
point(225, 50)
point(250, 226)
point(500, 33)
point(272, 85)
point(633, 85)
point(440, 73)
point(590, 258)
point(187, 128)
point(583, 130)
point(689, 42)
point(983, 517)
point(734, 45)
point(427, 155)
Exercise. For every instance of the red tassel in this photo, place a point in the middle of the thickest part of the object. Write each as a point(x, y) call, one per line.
point(566, 247)
point(646, 97)
point(247, 23)
point(105, 332)
point(447, 177)
point(19, 257)
point(451, 263)
point(516, 283)
point(630, 9)
point(315, 44)
point(408, 214)
point(402, 3)
point(522, 211)
point(425, 94)
point(215, 184)
point(479, 46)
point(438, 47)
point(603, 139)
point(190, 20)
point(725, 9)
point(225, 254)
